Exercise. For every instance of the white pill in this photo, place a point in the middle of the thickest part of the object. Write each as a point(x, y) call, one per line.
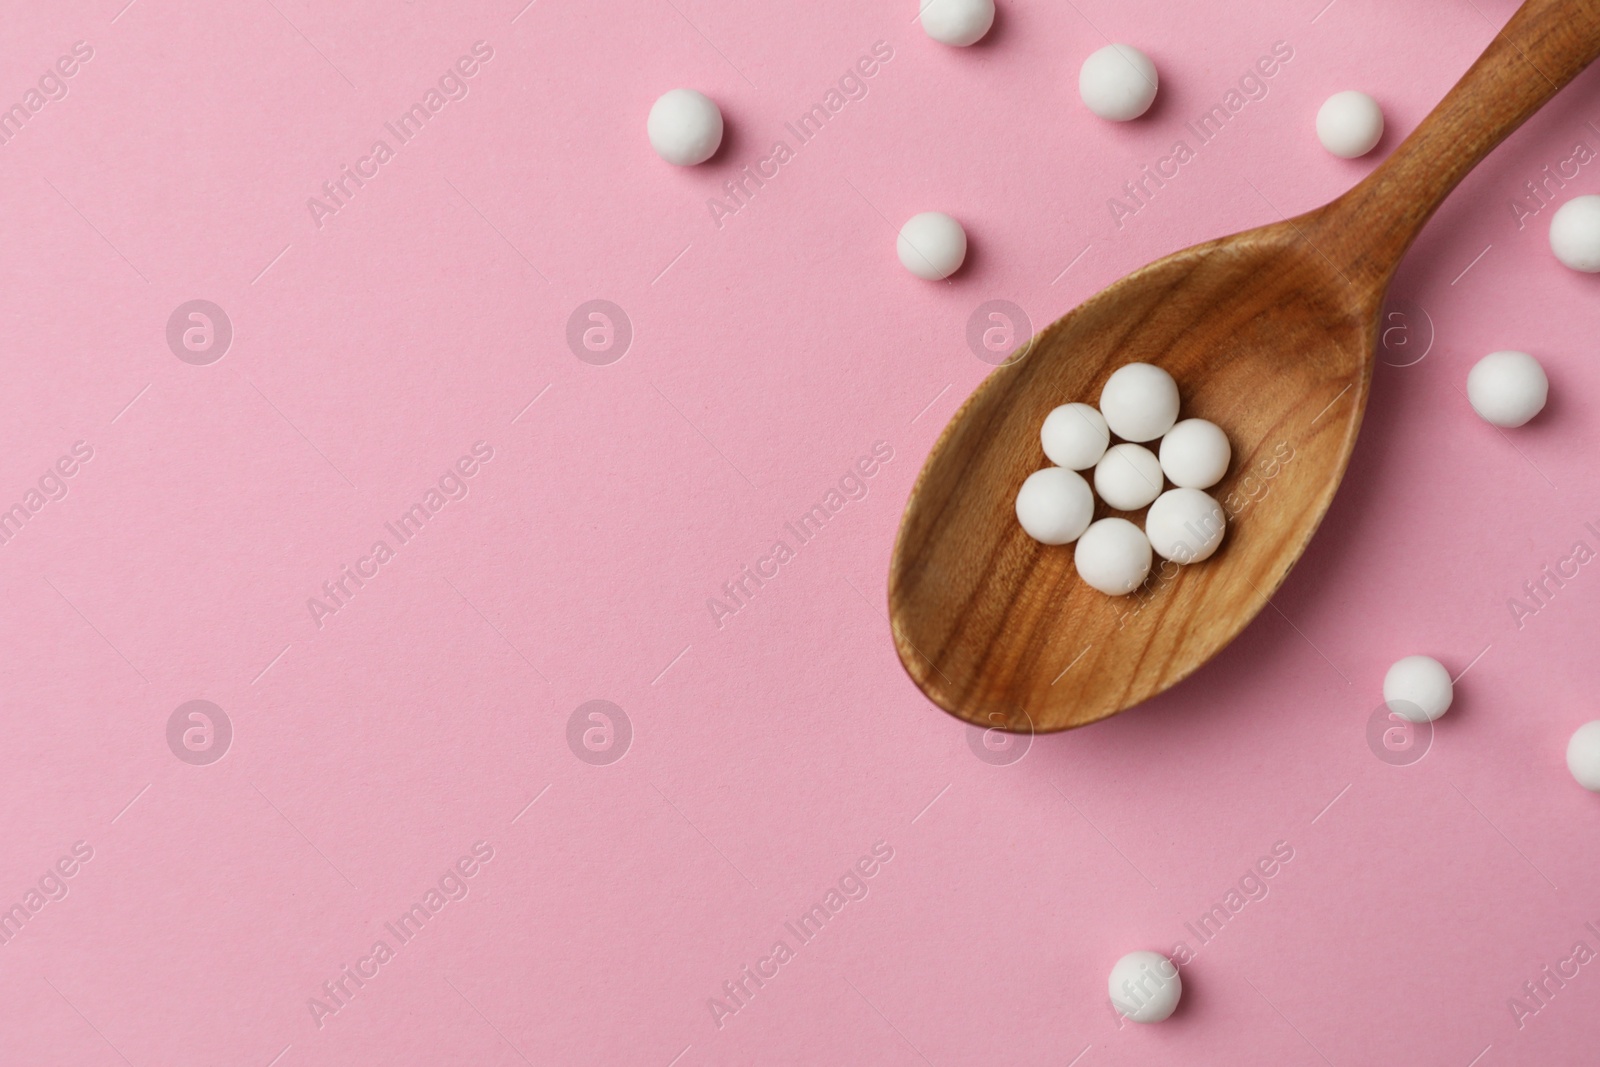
point(1350, 124)
point(1118, 82)
point(1507, 388)
point(1113, 555)
point(1140, 402)
point(1583, 756)
point(1195, 454)
point(1055, 505)
point(1418, 689)
point(1185, 525)
point(932, 245)
point(1128, 477)
point(1575, 234)
point(1145, 987)
point(1074, 436)
point(957, 22)
point(685, 127)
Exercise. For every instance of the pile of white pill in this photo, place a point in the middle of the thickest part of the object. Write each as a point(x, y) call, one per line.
point(1184, 524)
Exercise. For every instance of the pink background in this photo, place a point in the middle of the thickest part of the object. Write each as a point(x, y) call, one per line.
point(370, 753)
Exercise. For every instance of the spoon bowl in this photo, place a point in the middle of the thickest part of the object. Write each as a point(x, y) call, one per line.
point(999, 628)
point(1271, 334)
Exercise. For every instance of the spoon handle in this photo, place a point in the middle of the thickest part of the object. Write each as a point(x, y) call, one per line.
point(1546, 44)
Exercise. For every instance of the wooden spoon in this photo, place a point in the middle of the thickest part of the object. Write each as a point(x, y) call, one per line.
point(1271, 334)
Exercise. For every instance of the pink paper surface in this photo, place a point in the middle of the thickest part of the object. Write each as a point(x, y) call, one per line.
point(370, 750)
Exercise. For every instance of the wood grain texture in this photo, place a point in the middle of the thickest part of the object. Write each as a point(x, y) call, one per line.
point(1271, 334)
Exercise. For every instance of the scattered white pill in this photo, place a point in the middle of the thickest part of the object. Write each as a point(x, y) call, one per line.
point(1055, 505)
point(1185, 525)
point(685, 127)
point(1575, 234)
point(1195, 454)
point(1145, 987)
point(1113, 555)
point(1074, 436)
point(932, 245)
point(1583, 756)
point(1350, 124)
point(1118, 82)
point(1418, 689)
point(1507, 388)
point(1140, 402)
point(957, 22)
point(1128, 477)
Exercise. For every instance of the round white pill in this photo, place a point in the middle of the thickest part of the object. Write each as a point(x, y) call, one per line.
point(1418, 689)
point(932, 245)
point(1583, 756)
point(685, 127)
point(1118, 82)
point(1145, 987)
point(1195, 454)
point(1128, 477)
point(1074, 436)
point(1575, 234)
point(1350, 124)
point(1140, 402)
point(1507, 388)
point(957, 22)
point(1113, 555)
point(1055, 505)
point(1185, 525)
